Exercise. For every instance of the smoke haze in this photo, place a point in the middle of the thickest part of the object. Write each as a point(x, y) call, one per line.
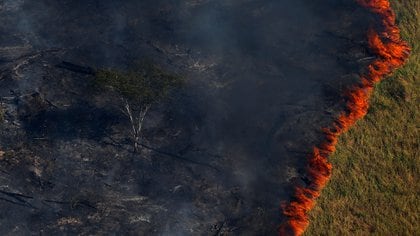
point(262, 78)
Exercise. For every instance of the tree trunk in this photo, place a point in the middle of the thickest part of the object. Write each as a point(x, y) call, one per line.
point(136, 122)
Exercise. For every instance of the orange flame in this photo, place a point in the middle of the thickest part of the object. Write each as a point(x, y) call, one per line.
point(391, 52)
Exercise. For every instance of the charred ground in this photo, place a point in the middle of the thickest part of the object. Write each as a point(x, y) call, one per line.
point(218, 156)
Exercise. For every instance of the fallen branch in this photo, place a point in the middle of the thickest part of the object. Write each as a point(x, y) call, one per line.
point(165, 153)
point(18, 197)
point(76, 68)
point(16, 203)
point(179, 157)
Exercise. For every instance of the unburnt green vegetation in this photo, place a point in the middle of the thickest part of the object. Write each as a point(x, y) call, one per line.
point(143, 84)
point(375, 186)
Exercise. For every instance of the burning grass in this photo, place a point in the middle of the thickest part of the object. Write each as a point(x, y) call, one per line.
point(374, 187)
point(391, 53)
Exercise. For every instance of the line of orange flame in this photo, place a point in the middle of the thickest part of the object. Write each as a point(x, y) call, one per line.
point(391, 52)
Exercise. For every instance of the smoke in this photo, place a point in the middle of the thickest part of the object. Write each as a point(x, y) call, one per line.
point(11, 5)
point(263, 76)
point(391, 52)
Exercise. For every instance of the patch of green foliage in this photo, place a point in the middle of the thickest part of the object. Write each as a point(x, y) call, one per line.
point(143, 84)
point(374, 188)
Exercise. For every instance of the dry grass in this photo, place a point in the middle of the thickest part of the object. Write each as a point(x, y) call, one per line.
point(375, 184)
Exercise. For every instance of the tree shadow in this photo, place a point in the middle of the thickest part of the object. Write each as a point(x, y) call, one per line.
point(79, 121)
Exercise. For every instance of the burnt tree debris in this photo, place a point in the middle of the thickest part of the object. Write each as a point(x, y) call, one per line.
point(76, 68)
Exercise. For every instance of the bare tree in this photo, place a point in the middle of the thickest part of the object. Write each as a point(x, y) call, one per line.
point(139, 88)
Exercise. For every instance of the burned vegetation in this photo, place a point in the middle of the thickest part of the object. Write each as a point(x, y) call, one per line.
point(206, 140)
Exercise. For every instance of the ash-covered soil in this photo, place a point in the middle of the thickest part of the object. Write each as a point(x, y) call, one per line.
point(218, 156)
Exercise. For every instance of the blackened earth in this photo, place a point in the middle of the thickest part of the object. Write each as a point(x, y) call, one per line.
point(218, 156)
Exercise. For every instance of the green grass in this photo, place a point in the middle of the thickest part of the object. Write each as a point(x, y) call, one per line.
point(374, 189)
